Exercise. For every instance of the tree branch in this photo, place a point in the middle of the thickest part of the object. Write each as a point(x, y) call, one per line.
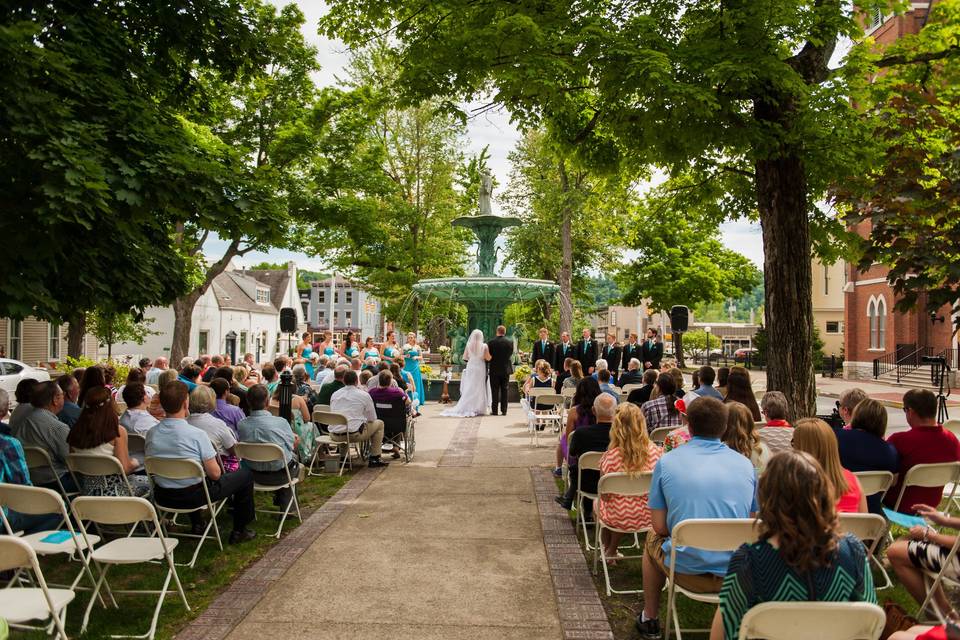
point(930, 56)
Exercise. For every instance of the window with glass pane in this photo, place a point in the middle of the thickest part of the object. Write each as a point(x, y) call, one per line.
point(54, 351)
point(243, 342)
point(16, 331)
point(202, 341)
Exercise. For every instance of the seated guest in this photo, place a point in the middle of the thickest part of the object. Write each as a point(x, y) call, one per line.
point(160, 365)
point(134, 375)
point(574, 377)
point(190, 376)
point(862, 447)
point(723, 373)
point(926, 442)
point(174, 437)
point(262, 426)
point(562, 375)
point(202, 403)
point(542, 378)
point(740, 389)
point(71, 392)
point(98, 431)
point(707, 376)
point(372, 381)
point(702, 479)
point(681, 435)
point(600, 365)
point(136, 418)
point(677, 375)
point(777, 433)
point(604, 378)
point(362, 423)
point(365, 379)
point(144, 364)
point(325, 374)
point(815, 437)
point(93, 377)
point(801, 554)
point(216, 362)
point(848, 401)
point(579, 415)
point(327, 390)
point(269, 374)
point(387, 392)
point(154, 406)
point(632, 375)
point(398, 378)
point(305, 431)
point(631, 451)
point(110, 377)
point(301, 388)
point(661, 412)
point(742, 436)
point(926, 550)
point(22, 395)
point(40, 428)
point(4, 411)
point(641, 395)
point(230, 414)
point(594, 437)
point(226, 373)
point(13, 470)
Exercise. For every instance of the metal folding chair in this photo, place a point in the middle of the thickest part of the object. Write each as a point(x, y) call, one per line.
point(868, 527)
point(625, 485)
point(821, 620)
point(20, 605)
point(269, 452)
point(38, 458)
point(589, 461)
point(326, 419)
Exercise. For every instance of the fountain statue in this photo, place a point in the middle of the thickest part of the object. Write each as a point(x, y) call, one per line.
point(485, 295)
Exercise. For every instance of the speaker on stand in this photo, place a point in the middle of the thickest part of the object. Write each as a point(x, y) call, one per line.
point(288, 324)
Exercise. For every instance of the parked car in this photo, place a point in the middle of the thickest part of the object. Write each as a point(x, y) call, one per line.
point(13, 371)
point(741, 355)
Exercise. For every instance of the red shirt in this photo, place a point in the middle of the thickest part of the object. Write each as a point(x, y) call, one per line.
point(921, 445)
point(777, 423)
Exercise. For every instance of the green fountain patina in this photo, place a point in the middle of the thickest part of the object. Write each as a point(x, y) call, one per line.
point(485, 295)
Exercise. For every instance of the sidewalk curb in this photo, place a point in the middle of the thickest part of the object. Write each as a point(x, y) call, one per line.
point(896, 404)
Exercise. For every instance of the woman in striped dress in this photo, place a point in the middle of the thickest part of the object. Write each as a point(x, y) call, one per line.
point(632, 451)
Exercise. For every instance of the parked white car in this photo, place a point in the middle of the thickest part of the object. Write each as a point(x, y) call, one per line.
point(13, 371)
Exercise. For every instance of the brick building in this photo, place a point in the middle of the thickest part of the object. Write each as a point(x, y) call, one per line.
point(873, 330)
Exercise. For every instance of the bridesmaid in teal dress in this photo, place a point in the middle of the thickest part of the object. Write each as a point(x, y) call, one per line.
point(413, 356)
point(326, 347)
point(350, 347)
point(305, 351)
point(370, 351)
point(390, 350)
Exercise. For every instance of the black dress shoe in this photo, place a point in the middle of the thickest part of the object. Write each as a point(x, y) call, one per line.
point(244, 535)
point(373, 463)
point(563, 503)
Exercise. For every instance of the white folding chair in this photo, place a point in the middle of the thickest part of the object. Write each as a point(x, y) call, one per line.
point(136, 444)
point(937, 474)
point(724, 534)
point(95, 464)
point(660, 434)
point(820, 620)
point(590, 461)
point(868, 527)
point(627, 388)
point(269, 452)
point(323, 440)
point(953, 426)
point(127, 511)
point(38, 458)
point(932, 581)
point(624, 485)
point(185, 469)
point(19, 605)
point(874, 482)
point(551, 416)
point(36, 501)
point(326, 419)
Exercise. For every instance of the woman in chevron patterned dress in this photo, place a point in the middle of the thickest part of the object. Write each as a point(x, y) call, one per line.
point(632, 451)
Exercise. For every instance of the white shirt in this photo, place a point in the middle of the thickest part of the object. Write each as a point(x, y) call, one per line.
point(325, 376)
point(221, 436)
point(138, 421)
point(356, 404)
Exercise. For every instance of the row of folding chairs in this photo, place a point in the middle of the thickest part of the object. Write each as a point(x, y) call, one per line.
point(399, 430)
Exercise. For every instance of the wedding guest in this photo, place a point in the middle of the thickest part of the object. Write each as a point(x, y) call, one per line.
point(723, 373)
point(362, 421)
point(661, 411)
point(705, 389)
point(541, 379)
point(741, 436)
point(579, 415)
point(136, 418)
point(604, 378)
point(815, 437)
point(643, 394)
point(862, 447)
point(41, 428)
point(93, 377)
point(223, 410)
point(632, 375)
point(160, 365)
point(739, 389)
point(848, 401)
point(71, 393)
point(777, 432)
point(593, 437)
point(576, 375)
point(562, 376)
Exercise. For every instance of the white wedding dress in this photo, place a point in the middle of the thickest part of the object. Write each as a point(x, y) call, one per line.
point(474, 383)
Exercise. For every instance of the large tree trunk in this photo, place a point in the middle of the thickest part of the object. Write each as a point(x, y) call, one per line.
point(182, 325)
point(782, 200)
point(566, 260)
point(76, 329)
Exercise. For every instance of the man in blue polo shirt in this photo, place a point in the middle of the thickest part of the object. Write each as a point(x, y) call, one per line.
point(702, 479)
point(174, 437)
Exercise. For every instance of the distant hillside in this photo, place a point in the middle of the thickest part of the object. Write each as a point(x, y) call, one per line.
point(304, 277)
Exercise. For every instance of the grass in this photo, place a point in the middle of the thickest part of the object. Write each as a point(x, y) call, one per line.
point(622, 610)
point(212, 573)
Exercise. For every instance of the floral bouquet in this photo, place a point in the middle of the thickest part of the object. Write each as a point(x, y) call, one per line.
point(426, 370)
point(446, 355)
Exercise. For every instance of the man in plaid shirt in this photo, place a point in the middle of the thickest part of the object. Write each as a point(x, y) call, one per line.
point(661, 412)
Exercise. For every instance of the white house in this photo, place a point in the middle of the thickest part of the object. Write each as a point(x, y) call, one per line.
point(238, 314)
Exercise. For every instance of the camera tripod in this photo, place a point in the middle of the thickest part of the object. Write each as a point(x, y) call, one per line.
point(938, 376)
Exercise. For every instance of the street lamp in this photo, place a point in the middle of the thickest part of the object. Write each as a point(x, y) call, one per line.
point(707, 330)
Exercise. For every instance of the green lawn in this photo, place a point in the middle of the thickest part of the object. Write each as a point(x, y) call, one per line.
point(213, 572)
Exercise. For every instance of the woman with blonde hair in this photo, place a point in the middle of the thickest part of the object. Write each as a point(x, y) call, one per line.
point(741, 436)
point(800, 555)
point(814, 436)
point(630, 451)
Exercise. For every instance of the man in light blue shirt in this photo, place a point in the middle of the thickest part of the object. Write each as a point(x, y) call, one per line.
point(702, 479)
point(174, 437)
point(264, 427)
point(706, 389)
point(604, 378)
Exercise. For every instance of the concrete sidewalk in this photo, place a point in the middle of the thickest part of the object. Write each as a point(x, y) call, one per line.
point(449, 546)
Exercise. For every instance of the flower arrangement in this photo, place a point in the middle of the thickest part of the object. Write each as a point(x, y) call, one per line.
point(426, 370)
point(521, 374)
point(446, 355)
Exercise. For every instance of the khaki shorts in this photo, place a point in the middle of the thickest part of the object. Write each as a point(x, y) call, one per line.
point(699, 583)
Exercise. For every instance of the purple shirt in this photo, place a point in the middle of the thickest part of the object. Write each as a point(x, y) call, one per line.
point(228, 413)
point(385, 394)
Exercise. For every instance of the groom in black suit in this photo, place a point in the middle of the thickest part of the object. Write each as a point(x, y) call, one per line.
point(500, 368)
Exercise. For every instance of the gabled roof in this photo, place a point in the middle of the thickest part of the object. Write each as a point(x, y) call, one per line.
point(277, 279)
point(230, 295)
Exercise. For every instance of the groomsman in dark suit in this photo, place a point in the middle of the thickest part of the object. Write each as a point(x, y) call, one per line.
point(565, 349)
point(652, 351)
point(629, 351)
point(611, 352)
point(587, 351)
point(543, 349)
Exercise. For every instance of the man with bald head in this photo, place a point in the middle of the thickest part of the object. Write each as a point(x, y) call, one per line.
point(595, 437)
point(160, 365)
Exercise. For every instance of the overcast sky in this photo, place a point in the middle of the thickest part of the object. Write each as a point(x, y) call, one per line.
point(492, 130)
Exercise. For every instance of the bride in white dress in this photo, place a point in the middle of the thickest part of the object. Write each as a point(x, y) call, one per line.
point(474, 384)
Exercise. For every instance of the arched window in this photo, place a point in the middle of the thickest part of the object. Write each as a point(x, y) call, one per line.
point(874, 323)
point(881, 323)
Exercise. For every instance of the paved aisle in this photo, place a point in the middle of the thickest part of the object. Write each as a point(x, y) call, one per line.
point(449, 546)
